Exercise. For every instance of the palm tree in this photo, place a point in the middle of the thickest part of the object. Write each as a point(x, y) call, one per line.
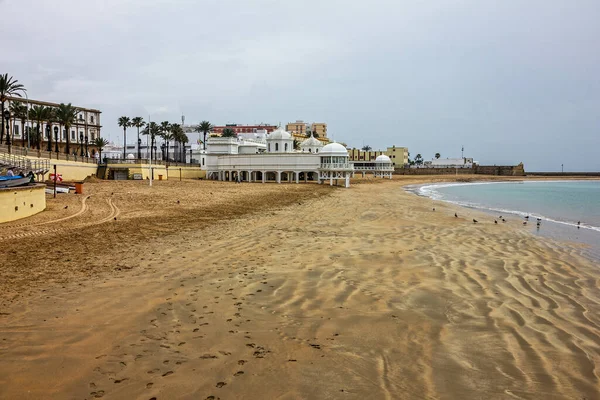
point(8, 87)
point(437, 155)
point(314, 134)
point(205, 127)
point(39, 114)
point(178, 136)
point(418, 159)
point(153, 130)
point(367, 148)
point(165, 128)
point(66, 116)
point(183, 139)
point(138, 122)
point(19, 111)
point(125, 122)
point(100, 143)
point(228, 132)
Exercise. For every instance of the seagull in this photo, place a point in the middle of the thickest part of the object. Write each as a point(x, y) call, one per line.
point(503, 220)
point(500, 217)
point(578, 223)
point(524, 222)
point(455, 215)
point(527, 217)
point(495, 221)
point(474, 221)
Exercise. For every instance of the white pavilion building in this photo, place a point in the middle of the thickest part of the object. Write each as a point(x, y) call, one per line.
point(275, 160)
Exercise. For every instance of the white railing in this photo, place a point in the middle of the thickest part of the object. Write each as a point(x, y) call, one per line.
point(378, 168)
point(333, 166)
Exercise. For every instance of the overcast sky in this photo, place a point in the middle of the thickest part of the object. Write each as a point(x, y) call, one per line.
point(511, 80)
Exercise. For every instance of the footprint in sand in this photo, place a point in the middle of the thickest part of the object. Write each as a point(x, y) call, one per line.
point(220, 384)
point(149, 385)
point(168, 373)
point(239, 373)
point(242, 362)
point(97, 394)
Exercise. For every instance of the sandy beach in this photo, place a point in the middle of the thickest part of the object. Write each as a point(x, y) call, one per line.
point(215, 290)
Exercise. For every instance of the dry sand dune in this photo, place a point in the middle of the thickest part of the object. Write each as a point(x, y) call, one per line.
point(312, 293)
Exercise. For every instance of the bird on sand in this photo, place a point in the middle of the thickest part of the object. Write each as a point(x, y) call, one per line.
point(433, 208)
point(503, 220)
point(527, 217)
point(496, 222)
point(474, 221)
point(455, 215)
point(524, 222)
point(66, 207)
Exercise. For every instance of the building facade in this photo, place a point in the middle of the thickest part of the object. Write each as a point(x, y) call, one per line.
point(239, 128)
point(81, 134)
point(301, 129)
point(398, 155)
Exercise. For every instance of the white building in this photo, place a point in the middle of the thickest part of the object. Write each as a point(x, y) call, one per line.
point(449, 163)
point(274, 159)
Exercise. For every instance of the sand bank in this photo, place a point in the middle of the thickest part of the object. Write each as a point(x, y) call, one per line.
point(304, 292)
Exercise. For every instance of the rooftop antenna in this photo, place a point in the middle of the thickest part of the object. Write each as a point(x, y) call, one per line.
point(462, 151)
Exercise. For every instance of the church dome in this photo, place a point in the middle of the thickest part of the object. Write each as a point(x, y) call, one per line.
point(334, 149)
point(383, 159)
point(311, 142)
point(279, 134)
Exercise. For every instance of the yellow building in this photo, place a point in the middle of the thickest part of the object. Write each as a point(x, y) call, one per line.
point(298, 127)
point(398, 155)
point(301, 128)
point(319, 128)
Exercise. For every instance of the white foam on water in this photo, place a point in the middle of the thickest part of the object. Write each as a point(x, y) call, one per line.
point(431, 191)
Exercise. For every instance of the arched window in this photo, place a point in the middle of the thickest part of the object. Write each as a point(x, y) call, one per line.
point(310, 150)
point(269, 147)
point(317, 150)
point(286, 147)
point(276, 146)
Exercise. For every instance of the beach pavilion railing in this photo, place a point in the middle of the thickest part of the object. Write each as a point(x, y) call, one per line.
point(336, 166)
point(146, 161)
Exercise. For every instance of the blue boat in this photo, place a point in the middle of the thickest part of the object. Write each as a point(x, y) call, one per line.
point(13, 181)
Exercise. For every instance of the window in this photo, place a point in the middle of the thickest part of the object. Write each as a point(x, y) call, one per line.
point(73, 135)
point(92, 119)
point(286, 147)
point(64, 134)
point(202, 161)
point(93, 136)
point(269, 147)
point(16, 130)
point(276, 146)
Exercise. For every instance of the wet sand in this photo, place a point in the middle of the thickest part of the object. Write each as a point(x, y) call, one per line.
point(291, 291)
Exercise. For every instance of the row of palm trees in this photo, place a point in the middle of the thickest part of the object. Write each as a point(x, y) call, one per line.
point(169, 132)
point(65, 115)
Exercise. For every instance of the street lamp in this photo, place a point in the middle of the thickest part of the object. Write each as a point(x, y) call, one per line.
point(56, 139)
point(81, 144)
point(7, 118)
point(49, 136)
point(139, 148)
point(86, 146)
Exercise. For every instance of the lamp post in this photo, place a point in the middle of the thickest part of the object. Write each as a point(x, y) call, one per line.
point(139, 148)
point(7, 119)
point(86, 147)
point(56, 139)
point(49, 136)
point(81, 144)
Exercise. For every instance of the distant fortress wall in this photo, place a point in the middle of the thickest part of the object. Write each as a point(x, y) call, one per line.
point(500, 170)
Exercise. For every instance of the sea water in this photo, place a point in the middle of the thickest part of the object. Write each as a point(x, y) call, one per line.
point(568, 209)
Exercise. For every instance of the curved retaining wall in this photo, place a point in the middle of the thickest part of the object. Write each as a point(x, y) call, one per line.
point(22, 202)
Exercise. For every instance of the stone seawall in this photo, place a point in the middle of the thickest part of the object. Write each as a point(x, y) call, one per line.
point(500, 170)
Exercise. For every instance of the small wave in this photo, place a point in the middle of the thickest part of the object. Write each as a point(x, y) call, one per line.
point(431, 192)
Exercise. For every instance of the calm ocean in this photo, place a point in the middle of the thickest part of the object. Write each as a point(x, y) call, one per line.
point(560, 204)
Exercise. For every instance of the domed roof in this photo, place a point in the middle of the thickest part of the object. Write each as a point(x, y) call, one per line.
point(334, 149)
point(383, 159)
point(311, 141)
point(279, 133)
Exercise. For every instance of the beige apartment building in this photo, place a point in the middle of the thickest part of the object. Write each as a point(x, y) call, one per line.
point(398, 155)
point(301, 128)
